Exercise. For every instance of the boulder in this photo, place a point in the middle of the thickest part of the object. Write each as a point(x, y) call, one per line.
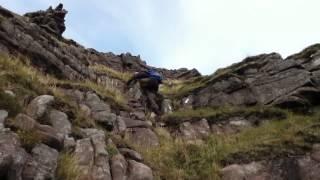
point(93, 101)
point(69, 144)
point(59, 121)
point(166, 106)
point(12, 156)
point(39, 106)
point(3, 117)
point(84, 155)
point(136, 123)
point(139, 115)
point(93, 158)
point(131, 154)
point(139, 171)
point(240, 172)
point(104, 117)
point(120, 125)
point(43, 164)
point(119, 167)
point(47, 134)
point(143, 137)
point(195, 130)
point(10, 93)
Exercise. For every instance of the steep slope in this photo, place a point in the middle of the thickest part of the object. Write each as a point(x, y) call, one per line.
point(65, 113)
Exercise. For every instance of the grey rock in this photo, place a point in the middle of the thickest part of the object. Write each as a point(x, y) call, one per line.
point(10, 93)
point(240, 172)
point(104, 117)
point(167, 106)
point(59, 121)
point(69, 144)
point(138, 115)
point(119, 167)
point(96, 105)
point(75, 95)
point(135, 123)
point(92, 155)
point(143, 137)
point(139, 171)
point(49, 136)
point(39, 106)
point(239, 122)
point(120, 125)
point(309, 169)
point(187, 102)
point(44, 163)
point(195, 130)
point(131, 154)
point(12, 156)
point(85, 110)
point(51, 20)
point(84, 155)
point(3, 116)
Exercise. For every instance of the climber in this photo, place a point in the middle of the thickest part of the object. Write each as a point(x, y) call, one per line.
point(149, 82)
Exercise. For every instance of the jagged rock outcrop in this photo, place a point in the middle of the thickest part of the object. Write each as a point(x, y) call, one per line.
point(51, 20)
point(264, 80)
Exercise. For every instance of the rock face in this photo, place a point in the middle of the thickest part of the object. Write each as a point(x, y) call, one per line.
point(265, 80)
point(12, 156)
point(43, 165)
point(38, 36)
point(39, 106)
point(295, 168)
point(92, 157)
point(51, 20)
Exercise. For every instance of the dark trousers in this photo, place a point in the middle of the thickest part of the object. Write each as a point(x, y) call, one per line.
point(150, 89)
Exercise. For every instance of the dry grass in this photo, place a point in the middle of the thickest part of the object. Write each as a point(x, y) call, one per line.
point(29, 139)
point(67, 168)
point(175, 159)
point(123, 76)
point(213, 114)
point(179, 88)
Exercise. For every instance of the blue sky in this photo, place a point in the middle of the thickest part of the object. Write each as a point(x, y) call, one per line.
point(202, 34)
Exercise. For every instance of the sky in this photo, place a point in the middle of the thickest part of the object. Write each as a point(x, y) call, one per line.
point(201, 34)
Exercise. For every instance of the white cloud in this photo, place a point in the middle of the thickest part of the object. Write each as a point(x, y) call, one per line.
point(206, 34)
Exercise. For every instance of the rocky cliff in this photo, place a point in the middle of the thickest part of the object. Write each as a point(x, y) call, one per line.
point(65, 113)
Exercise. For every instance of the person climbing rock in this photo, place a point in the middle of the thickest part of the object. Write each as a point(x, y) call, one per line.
point(149, 82)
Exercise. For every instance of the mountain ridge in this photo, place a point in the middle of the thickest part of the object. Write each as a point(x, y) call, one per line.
point(66, 113)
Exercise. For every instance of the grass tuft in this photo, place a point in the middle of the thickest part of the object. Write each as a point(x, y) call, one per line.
point(214, 114)
point(29, 139)
point(67, 168)
point(123, 76)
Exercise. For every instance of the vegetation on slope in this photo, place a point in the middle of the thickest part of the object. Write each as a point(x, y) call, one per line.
point(101, 69)
point(67, 168)
point(25, 81)
point(215, 114)
point(176, 159)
